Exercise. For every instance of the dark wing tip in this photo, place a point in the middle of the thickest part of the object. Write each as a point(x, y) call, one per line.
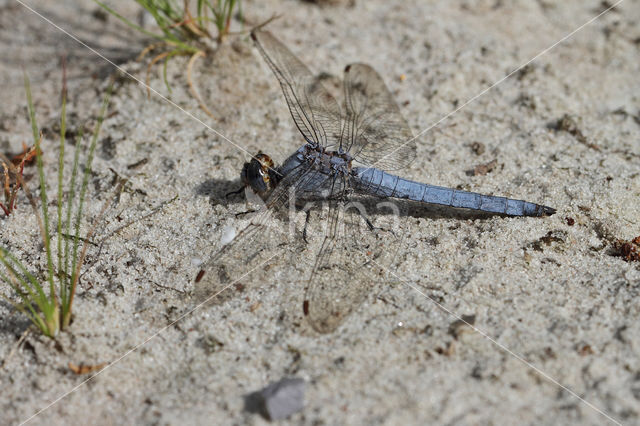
point(347, 68)
point(253, 35)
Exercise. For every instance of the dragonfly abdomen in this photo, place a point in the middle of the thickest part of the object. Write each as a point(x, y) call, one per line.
point(377, 182)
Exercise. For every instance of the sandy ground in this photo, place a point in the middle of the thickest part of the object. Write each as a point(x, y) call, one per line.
point(540, 289)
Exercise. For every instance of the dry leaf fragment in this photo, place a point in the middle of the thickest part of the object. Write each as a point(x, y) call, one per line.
point(85, 369)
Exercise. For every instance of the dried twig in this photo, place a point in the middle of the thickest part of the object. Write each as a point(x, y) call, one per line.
point(192, 88)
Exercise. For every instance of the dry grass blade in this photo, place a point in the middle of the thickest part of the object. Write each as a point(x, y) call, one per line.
point(32, 202)
point(11, 172)
point(148, 49)
point(192, 88)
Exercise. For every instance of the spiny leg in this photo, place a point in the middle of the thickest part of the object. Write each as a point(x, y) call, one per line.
point(228, 194)
point(306, 222)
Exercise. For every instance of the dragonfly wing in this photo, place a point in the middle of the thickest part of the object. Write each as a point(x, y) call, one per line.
point(348, 265)
point(316, 113)
point(378, 134)
point(240, 264)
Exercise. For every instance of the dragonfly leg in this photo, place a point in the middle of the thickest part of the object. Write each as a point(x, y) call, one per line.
point(306, 222)
point(228, 194)
point(371, 226)
point(244, 213)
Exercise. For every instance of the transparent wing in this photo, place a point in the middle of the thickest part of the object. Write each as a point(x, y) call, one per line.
point(349, 265)
point(240, 264)
point(315, 112)
point(377, 133)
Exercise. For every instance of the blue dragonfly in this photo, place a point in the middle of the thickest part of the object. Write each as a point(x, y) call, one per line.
point(349, 152)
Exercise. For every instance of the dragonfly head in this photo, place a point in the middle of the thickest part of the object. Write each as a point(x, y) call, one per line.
point(259, 174)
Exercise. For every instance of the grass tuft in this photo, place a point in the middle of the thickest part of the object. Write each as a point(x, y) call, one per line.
point(48, 301)
point(179, 26)
point(183, 31)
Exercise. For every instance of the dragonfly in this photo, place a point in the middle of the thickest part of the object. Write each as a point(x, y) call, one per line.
point(350, 152)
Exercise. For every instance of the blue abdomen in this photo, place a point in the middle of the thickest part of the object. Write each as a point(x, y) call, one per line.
point(379, 183)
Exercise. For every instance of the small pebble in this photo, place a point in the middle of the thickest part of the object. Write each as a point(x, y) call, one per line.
point(278, 400)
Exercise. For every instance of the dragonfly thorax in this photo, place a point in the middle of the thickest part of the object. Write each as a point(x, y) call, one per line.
point(334, 162)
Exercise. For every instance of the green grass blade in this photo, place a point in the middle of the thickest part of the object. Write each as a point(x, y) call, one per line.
point(72, 195)
point(32, 111)
point(85, 181)
point(228, 8)
point(166, 14)
point(35, 290)
point(164, 67)
point(29, 313)
point(43, 186)
point(218, 16)
point(200, 7)
point(63, 131)
point(29, 297)
point(50, 320)
point(128, 22)
point(77, 261)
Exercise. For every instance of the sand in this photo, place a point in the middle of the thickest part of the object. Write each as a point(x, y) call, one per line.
point(556, 314)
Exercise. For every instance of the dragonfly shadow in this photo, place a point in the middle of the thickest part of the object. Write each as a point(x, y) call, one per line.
point(230, 192)
point(221, 191)
point(374, 206)
point(436, 212)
